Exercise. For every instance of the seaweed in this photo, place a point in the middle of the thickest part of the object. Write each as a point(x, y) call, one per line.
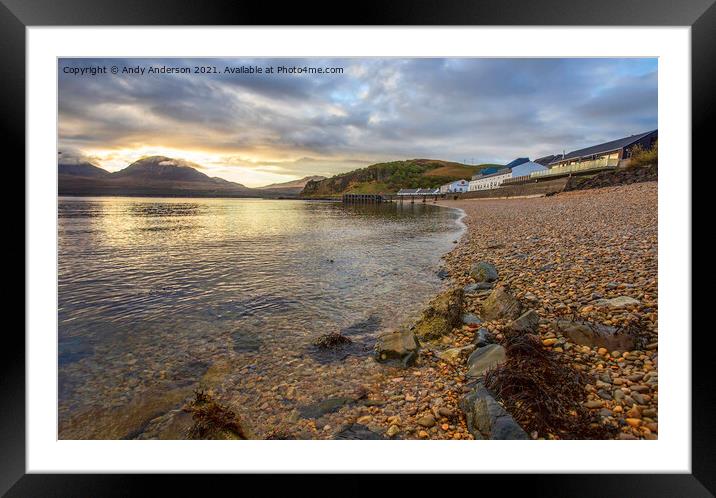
point(543, 392)
point(214, 420)
point(332, 340)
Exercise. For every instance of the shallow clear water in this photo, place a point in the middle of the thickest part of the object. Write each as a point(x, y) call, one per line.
point(152, 291)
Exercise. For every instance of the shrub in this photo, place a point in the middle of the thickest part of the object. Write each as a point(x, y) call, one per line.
point(644, 157)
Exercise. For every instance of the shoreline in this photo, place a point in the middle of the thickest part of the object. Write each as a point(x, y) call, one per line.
point(622, 391)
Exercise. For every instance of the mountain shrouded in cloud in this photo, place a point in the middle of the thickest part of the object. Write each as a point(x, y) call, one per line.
point(262, 129)
point(155, 175)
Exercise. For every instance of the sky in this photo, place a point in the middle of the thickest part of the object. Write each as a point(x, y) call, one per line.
point(261, 128)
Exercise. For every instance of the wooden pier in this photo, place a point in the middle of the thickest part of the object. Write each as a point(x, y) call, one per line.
point(365, 198)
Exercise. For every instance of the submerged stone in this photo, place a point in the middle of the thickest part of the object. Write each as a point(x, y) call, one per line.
point(328, 405)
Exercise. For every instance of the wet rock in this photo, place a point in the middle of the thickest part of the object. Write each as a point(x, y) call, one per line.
point(329, 405)
point(500, 304)
point(357, 431)
point(399, 345)
point(483, 338)
point(174, 424)
point(527, 322)
point(486, 419)
point(485, 358)
point(245, 342)
point(454, 355)
point(617, 302)
point(442, 274)
point(477, 287)
point(441, 315)
point(483, 272)
point(471, 319)
point(595, 335)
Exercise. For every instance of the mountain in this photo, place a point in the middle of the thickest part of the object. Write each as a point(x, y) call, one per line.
point(293, 187)
point(81, 168)
point(392, 176)
point(154, 175)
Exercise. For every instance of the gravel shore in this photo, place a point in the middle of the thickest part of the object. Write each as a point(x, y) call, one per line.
point(564, 256)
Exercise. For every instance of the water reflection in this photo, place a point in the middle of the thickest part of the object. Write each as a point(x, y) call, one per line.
point(148, 287)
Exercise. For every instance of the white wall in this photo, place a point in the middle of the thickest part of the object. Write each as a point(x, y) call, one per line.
point(489, 183)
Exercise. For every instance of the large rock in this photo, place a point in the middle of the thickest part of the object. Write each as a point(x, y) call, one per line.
point(617, 302)
point(483, 272)
point(486, 419)
point(399, 345)
point(595, 335)
point(484, 358)
point(500, 304)
point(441, 315)
point(527, 322)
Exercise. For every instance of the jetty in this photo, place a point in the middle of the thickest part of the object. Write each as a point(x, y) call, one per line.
point(366, 198)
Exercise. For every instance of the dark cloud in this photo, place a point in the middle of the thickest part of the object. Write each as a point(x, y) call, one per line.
point(489, 110)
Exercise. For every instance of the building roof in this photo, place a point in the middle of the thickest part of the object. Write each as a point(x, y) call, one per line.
point(499, 172)
point(408, 190)
point(605, 147)
point(544, 161)
point(527, 168)
point(517, 162)
point(427, 190)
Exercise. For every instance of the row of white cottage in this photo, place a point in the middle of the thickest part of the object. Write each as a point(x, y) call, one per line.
point(488, 179)
point(493, 178)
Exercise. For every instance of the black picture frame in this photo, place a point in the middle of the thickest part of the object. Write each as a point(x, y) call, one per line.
point(16, 15)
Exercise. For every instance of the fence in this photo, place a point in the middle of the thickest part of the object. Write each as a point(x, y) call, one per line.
point(601, 163)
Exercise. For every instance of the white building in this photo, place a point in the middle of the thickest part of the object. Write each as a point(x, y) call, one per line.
point(493, 180)
point(455, 187)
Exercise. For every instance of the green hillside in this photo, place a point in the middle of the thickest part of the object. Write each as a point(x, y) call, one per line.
point(392, 176)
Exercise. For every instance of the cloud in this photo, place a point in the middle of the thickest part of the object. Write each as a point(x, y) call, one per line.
point(486, 110)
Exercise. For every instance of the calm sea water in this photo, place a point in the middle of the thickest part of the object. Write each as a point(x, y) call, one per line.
point(153, 290)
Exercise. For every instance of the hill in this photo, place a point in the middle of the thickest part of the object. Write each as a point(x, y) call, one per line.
point(293, 187)
point(154, 175)
point(391, 177)
point(81, 168)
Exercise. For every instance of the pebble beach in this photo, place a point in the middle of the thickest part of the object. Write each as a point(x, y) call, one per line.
point(587, 255)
